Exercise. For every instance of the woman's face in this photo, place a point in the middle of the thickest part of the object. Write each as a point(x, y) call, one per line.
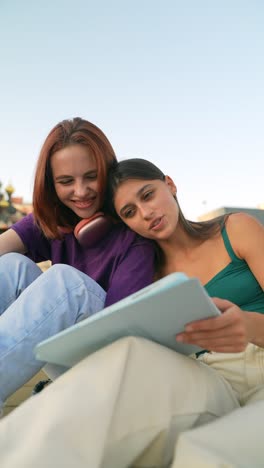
point(148, 207)
point(74, 173)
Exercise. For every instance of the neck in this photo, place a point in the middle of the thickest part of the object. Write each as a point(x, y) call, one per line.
point(179, 242)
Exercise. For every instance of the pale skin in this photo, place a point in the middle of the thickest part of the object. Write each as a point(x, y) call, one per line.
point(74, 174)
point(149, 208)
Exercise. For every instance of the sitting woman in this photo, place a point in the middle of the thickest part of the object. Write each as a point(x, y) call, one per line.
point(153, 394)
point(93, 264)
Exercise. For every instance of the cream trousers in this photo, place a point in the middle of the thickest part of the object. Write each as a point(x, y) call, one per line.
point(233, 441)
point(244, 371)
point(123, 406)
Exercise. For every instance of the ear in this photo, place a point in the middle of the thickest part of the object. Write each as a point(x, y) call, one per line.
point(171, 185)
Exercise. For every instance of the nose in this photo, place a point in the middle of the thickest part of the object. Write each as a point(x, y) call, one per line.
point(146, 212)
point(80, 188)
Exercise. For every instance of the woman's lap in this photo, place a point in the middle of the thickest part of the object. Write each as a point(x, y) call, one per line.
point(127, 402)
point(233, 441)
point(244, 371)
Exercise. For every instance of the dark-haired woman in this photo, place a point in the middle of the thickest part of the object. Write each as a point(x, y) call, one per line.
point(226, 254)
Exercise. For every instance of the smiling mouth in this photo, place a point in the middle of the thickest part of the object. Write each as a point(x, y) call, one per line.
point(83, 204)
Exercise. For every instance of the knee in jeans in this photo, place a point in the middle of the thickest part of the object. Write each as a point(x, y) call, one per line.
point(14, 258)
point(60, 269)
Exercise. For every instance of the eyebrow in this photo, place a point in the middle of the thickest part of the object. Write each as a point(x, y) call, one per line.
point(138, 195)
point(67, 176)
point(63, 177)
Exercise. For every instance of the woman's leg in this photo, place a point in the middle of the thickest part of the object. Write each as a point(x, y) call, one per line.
point(233, 441)
point(17, 272)
point(244, 371)
point(54, 301)
point(124, 405)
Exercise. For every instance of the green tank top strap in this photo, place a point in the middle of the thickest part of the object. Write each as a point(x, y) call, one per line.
point(228, 245)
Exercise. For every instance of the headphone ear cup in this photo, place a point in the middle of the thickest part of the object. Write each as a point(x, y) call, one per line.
point(91, 230)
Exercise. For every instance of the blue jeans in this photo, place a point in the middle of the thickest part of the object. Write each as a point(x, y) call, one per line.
point(35, 306)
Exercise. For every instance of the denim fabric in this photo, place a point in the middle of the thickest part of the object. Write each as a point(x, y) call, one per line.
point(35, 306)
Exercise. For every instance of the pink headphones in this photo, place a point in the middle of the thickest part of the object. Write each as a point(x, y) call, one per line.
point(93, 229)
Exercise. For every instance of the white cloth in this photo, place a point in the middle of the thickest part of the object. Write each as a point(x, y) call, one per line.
point(244, 371)
point(123, 406)
point(233, 441)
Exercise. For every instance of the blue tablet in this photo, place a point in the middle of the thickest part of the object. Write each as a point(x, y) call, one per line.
point(157, 312)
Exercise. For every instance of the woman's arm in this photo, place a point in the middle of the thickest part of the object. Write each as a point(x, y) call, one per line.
point(25, 237)
point(235, 328)
point(11, 242)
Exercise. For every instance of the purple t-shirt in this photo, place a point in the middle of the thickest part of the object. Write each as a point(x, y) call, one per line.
point(122, 262)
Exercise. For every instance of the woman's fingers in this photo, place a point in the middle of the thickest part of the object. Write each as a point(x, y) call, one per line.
point(226, 333)
point(222, 304)
point(217, 344)
point(227, 319)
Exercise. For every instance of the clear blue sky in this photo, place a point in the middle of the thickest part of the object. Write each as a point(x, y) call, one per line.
point(177, 82)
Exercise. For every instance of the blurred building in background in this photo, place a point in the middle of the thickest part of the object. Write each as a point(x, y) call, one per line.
point(256, 212)
point(11, 208)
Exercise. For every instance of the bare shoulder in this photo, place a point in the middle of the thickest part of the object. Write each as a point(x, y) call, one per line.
point(242, 229)
point(238, 222)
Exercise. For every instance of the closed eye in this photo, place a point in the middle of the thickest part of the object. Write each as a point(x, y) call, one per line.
point(91, 176)
point(128, 213)
point(148, 195)
point(64, 181)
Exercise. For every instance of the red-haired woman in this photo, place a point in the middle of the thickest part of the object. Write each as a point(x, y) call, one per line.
point(92, 267)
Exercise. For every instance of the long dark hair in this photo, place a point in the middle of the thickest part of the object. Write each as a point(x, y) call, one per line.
point(49, 212)
point(142, 169)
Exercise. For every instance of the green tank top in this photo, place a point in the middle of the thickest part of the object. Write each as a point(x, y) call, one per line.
point(237, 283)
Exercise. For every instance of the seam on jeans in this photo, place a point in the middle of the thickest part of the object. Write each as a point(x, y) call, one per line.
point(247, 383)
point(261, 366)
point(63, 298)
point(253, 356)
point(8, 303)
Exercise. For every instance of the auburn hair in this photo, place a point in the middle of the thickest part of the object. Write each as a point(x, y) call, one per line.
point(49, 212)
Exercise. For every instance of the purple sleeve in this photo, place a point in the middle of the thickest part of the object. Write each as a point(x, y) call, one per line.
point(134, 272)
point(37, 246)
